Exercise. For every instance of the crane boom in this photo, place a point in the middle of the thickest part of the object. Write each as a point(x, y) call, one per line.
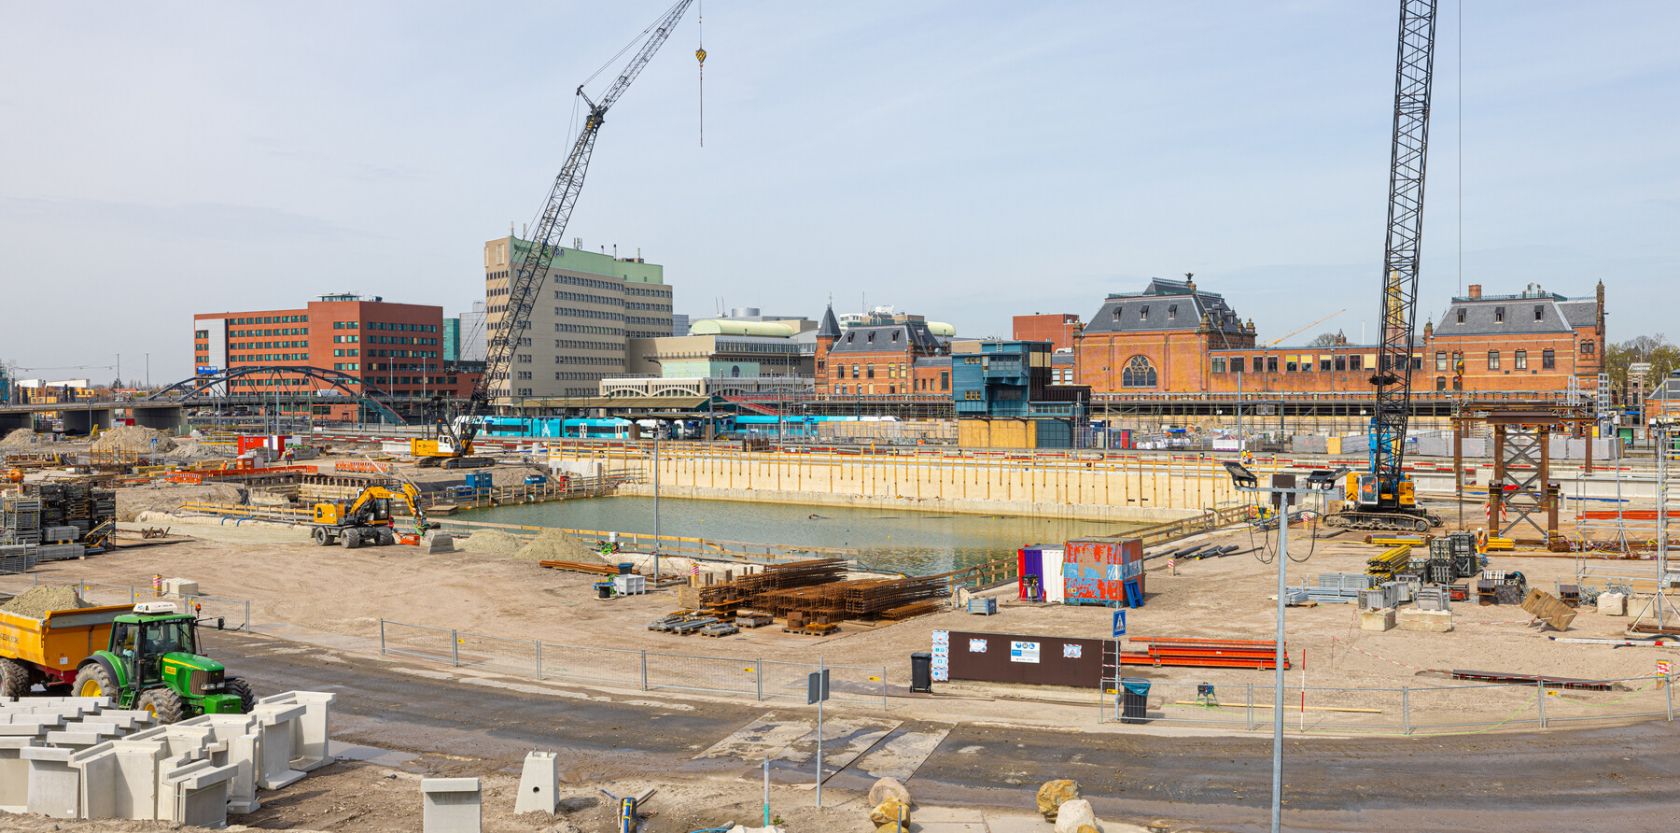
point(525, 281)
point(1414, 64)
point(1303, 328)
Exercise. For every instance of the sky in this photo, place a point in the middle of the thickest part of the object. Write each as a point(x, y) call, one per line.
point(966, 161)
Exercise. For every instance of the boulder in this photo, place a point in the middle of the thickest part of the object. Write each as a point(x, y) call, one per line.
point(889, 812)
point(1053, 794)
point(1075, 816)
point(888, 788)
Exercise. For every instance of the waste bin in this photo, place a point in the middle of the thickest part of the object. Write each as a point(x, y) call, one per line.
point(921, 672)
point(1134, 703)
point(603, 589)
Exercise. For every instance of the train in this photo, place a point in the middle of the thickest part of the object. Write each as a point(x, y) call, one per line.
point(619, 428)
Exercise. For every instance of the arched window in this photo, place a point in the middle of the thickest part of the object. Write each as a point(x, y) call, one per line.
point(735, 371)
point(1138, 373)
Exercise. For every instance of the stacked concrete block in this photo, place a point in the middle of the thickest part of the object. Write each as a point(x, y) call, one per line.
point(70, 757)
point(451, 805)
point(539, 784)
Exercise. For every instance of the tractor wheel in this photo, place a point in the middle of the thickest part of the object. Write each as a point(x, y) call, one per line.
point(321, 537)
point(236, 685)
point(165, 706)
point(351, 538)
point(14, 679)
point(95, 681)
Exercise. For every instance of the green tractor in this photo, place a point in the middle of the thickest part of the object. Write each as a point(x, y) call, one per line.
point(153, 663)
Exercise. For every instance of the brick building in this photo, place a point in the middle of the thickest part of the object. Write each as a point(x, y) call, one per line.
point(1059, 329)
point(1175, 338)
point(396, 350)
point(880, 360)
point(1157, 340)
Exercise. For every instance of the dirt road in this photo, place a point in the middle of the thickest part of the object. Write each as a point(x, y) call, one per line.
point(1619, 778)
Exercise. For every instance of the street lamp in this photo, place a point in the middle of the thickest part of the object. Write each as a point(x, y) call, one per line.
point(1283, 490)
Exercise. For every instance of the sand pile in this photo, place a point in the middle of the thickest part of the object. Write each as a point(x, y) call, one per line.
point(490, 542)
point(132, 500)
point(134, 439)
point(554, 545)
point(192, 452)
point(36, 601)
point(21, 438)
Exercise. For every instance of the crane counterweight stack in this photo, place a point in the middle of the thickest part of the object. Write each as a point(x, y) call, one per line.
point(1383, 497)
point(452, 440)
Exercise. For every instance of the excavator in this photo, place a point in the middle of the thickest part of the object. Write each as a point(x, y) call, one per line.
point(367, 520)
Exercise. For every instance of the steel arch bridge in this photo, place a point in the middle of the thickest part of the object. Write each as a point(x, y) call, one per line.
point(203, 388)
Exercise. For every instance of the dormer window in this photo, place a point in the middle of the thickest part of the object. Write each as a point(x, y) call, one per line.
point(1461, 315)
point(1498, 315)
point(1172, 312)
point(1143, 313)
point(895, 335)
point(1539, 312)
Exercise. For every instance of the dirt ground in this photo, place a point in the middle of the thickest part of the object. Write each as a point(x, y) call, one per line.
point(339, 596)
point(361, 797)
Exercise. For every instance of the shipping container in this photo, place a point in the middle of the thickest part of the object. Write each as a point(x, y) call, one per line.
point(1096, 570)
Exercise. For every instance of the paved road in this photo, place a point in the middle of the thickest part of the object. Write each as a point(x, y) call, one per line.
point(1625, 778)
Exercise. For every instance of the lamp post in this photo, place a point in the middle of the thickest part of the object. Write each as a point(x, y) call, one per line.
point(1284, 489)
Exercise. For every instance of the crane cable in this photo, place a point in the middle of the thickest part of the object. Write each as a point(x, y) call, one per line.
point(700, 55)
point(639, 37)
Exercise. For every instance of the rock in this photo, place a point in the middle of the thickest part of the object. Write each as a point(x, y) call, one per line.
point(888, 788)
point(1075, 816)
point(1053, 794)
point(889, 812)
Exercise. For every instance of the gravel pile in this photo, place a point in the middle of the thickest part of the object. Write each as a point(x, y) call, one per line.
point(37, 601)
point(134, 439)
point(490, 542)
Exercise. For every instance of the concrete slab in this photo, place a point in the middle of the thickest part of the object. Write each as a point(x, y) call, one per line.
point(1434, 621)
point(792, 743)
point(1377, 620)
point(901, 754)
point(55, 787)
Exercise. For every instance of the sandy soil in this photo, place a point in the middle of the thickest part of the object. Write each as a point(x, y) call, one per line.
point(357, 797)
point(297, 589)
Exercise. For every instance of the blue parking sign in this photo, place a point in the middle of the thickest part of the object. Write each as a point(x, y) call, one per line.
point(1119, 623)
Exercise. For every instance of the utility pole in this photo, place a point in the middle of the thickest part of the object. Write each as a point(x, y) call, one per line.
point(656, 507)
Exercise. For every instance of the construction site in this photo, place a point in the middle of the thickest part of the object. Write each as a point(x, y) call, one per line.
point(214, 617)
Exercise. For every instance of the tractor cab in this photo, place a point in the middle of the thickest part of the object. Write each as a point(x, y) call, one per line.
point(153, 663)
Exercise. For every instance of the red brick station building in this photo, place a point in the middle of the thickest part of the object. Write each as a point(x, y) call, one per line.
point(1173, 338)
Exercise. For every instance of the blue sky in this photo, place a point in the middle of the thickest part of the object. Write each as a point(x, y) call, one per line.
point(964, 160)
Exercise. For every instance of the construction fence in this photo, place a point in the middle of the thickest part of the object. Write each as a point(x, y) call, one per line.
point(753, 678)
point(1452, 708)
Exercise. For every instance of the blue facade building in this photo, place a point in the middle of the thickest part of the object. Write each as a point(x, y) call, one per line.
point(1013, 380)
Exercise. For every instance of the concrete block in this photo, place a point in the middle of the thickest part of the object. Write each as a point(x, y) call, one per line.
point(98, 765)
point(310, 741)
point(1612, 604)
point(237, 745)
point(180, 587)
point(451, 805)
point(198, 793)
point(274, 744)
point(55, 787)
point(14, 774)
point(165, 789)
point(1377, 620)
point(438, 542)
point(134, 786)
point(539, 784)
point(1434, 621)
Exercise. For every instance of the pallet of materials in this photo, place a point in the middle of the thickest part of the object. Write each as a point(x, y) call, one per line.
point(1392, 560)
point(1531, 679)
point(719, 629)
point(1337, 588)
point(596, 569)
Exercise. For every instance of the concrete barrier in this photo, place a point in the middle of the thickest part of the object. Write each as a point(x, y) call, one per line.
point(451, 805)
point(539, 784)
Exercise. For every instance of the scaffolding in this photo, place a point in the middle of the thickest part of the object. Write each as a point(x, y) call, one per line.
point(1658, 614)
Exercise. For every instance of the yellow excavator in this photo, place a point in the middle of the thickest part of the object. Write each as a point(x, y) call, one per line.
point(367, 520)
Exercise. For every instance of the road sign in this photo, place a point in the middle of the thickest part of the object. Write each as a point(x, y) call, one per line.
point(1119, 623)
point(816, 687)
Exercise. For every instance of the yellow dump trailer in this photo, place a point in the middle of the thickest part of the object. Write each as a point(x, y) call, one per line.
point(47, 650)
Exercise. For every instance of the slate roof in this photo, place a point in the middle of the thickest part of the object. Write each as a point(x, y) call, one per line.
point(1668, 391)
point(912, 337)
point(1580, 312)
point(1504, 316)
point(1163, 305)
point(830, 326)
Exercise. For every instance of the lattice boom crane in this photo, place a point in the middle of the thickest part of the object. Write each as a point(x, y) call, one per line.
point(453, 438)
